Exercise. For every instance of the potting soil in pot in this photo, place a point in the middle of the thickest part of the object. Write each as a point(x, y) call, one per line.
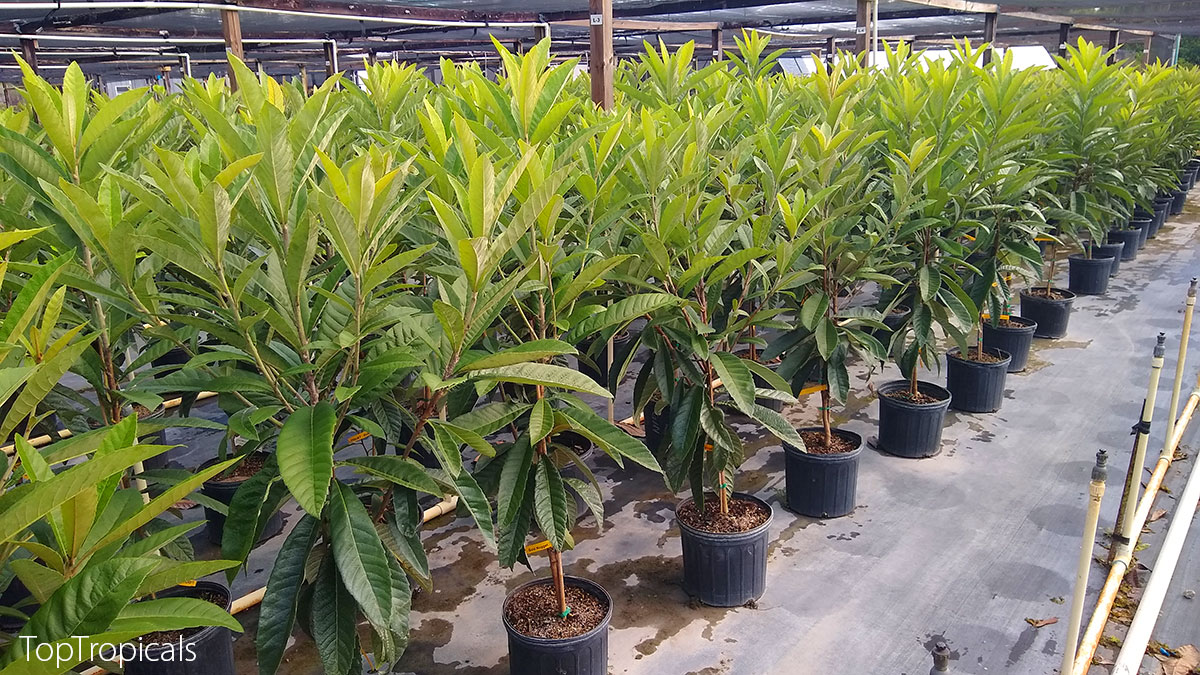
point(1053, 294)
point(743, 516)
point(243, 471)
point(974, 355)
point(919, 398)
point(814, 444)
point(533, 611)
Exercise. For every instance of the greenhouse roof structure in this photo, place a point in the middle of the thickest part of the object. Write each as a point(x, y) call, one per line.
point(128, 37)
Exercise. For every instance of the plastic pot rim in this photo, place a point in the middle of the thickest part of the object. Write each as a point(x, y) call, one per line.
point(568, 580)
point(828, 457)
point(1027, 325)
point(1071, 295)
point(944, 396)
point(728, 537)
point(955, 354)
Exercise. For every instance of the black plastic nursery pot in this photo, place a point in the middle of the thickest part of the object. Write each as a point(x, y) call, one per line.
point(977, 386)
point(657, 425)
point(1113, 251)
point(1130, 238)
point(205, 651)
point(1088, 276)
point(223, 492)
point(1014, 336)
point(908, 428)
point(1161, 208)
point(1051, 314)
point(599, 372)
point(1143, 225)
point(822, 485)
point(585, 654)
point(1178, 197)
point(725, 569)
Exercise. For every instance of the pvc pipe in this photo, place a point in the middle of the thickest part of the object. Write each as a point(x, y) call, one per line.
point(1120, 563)
point(176, 4)
point(1133, 482)
point(1084, 567)
point(1183, 347)
point(39, 441)
point(1155, 591)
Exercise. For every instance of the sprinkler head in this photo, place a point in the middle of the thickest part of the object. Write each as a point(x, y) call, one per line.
point(941, 657)
point(1161, 347)
point(1100, 471)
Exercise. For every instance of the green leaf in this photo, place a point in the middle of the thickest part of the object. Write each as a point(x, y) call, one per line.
point(471, 496)
point(305, 455)
point(813, 309)
point(491, 417)
point(541, 420)
point(398, 470)
point(87, 603)
point(277, 615)
point(550, 503)
point(32, 504)
point(334, 615)
point(249, 511)
point(172, 573)
point(620, 313)
point(514, 475)
point(610, 438)
point(534, 350)
point(778, 425)
point(827, 337)
point(360, 557)
point(543, 374)
point(736, 379)
point(165, 614)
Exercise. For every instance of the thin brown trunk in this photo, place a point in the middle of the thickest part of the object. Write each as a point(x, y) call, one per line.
point(560, 584)
point(825, 422)
point(1053, 260)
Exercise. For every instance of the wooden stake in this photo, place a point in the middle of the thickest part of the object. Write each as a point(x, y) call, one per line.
point(231, 30)
point(722, 494)
point(600, 59)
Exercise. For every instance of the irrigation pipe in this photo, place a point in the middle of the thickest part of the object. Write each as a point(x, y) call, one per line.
point(254, 598)
point(1120, 563)
point(1182, 358)
point(216, 6)
point(1134, 647)
point(1083, 569)
point(39, 441)
point(1137, 460)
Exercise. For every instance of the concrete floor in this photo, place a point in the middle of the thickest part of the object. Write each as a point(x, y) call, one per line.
point(962, 547)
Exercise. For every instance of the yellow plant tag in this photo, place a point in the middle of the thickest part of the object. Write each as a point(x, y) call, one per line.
point(188, 584)
point(537, 548)
point(358, 437)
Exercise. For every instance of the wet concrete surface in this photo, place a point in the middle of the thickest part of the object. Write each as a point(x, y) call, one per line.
point(960, 547)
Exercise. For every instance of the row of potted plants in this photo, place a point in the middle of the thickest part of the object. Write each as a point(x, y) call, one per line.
point(406, 291)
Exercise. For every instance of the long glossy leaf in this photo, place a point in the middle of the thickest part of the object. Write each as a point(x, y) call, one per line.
point(544, 374)
point(305, 454)
point(360, 557)
point(277, 615)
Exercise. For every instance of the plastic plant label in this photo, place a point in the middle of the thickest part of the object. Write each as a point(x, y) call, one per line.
point(358, 437)
point(188, 584)
point(537, 548)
